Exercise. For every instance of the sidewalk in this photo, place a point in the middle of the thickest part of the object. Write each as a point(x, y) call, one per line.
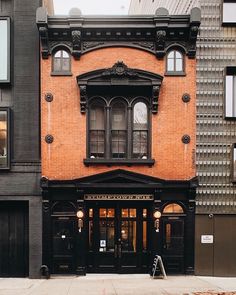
point(114, 284)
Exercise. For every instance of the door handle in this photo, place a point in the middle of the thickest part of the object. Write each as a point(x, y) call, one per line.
point(115, 251)
point(119, 251)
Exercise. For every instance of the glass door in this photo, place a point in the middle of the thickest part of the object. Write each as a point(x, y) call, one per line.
point(117, 239)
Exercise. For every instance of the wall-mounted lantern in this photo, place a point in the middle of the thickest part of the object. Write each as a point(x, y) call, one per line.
point(80, 216)
point(157, 216)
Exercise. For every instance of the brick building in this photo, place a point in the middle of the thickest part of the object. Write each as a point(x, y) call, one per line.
point(216, 127)
point(118, 128)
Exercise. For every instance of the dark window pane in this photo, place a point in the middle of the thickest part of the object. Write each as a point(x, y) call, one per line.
point(97, 117)
point(3, 139)
point(118, 144)
point(128, 236)
point(118, 116)
point(140, 144)
point(97, 145)
point(97, 132)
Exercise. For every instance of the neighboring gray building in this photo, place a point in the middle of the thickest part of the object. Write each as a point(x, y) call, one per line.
point(20, 196)
point(216, 131)
point(173, 6)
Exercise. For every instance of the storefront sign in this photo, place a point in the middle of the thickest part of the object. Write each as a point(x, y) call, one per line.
point(93, 197)
point(207, 239)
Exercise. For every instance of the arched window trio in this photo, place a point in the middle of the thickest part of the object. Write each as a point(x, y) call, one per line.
point(118, 130)
point(174, 62)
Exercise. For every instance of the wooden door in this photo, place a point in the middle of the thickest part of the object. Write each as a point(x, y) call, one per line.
point(14, 239)
point(173, 244)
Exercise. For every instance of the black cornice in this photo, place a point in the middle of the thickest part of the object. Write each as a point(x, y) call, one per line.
point(151, 33)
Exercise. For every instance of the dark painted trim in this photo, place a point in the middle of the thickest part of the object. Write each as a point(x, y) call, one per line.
point(111, 162)
point(151, 33)
point(61, 74)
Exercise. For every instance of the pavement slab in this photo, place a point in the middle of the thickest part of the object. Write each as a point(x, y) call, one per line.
point(115, 284)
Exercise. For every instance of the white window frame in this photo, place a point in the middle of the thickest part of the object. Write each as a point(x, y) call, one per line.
point(5, 51)
point(228, 12)
point(230, 92)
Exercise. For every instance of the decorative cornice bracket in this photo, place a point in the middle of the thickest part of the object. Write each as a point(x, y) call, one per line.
point(83, 98)
point(42, 23)
point(155, 96)
point(76, 42)
point(160, 43)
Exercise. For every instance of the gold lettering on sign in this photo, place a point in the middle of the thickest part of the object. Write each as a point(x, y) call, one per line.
point(93, 197)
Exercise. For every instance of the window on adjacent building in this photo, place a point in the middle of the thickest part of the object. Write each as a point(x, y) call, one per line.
point(175, 62)
point(61, 63)
point(229, 15)
point(5, 50)
point(230, 92)
point(233, 176)
point(4, 138)
point(122, 133)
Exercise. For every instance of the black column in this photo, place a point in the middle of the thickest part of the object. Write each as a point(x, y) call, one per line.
point(190, 233)
point(80, 241)
point(46, 261)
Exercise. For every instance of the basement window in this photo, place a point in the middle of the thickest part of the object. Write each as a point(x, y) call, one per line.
point(230, 92)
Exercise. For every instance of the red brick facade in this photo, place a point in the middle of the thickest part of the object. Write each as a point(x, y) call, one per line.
point(63, 159)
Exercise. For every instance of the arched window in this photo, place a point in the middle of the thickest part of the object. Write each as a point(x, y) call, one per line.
point(118, 130)
point(140, 131)
point(173, 208)
point(96, 130)
point(175, 62)
point(61, 62)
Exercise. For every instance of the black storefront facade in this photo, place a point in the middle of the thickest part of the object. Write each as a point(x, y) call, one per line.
point(111, 210)
point(106, 223)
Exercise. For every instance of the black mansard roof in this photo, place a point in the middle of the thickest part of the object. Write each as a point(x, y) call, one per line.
point(154, 33)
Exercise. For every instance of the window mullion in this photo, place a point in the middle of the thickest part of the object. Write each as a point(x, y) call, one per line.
point(107, 133)
point(129, 133)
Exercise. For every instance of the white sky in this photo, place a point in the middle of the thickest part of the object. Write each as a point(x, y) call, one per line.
point(95, 7)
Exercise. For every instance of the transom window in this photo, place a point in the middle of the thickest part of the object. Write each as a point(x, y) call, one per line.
point(175, 62)
point(61, 62)
point(118, 131)
point(173, 208)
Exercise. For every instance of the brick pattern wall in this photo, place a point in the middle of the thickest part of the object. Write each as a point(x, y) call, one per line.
point(63, 159)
